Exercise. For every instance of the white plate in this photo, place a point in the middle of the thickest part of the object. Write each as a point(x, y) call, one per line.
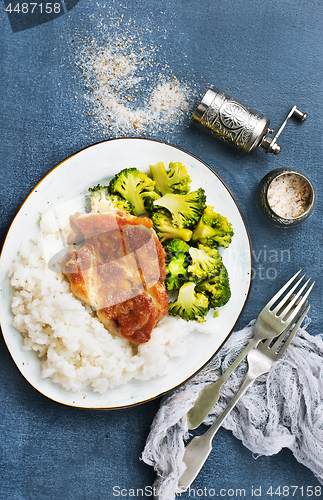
point(70, 179)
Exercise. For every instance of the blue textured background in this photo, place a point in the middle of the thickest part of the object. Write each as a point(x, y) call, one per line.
point(266, 54)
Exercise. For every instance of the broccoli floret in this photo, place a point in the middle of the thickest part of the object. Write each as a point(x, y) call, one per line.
point(186, 209)
point(217, 288)
point(100, 201)
point(136, 187)
point(120, 203)
point(174, 180)
point(165, 229)
point(206, 262)
point(149, 200)
point(189, 305)
point(176, 246)
point(177, 259)
point(98, 194)
point(213, 229)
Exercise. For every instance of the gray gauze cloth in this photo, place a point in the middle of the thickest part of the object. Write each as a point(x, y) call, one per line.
point(283, 409)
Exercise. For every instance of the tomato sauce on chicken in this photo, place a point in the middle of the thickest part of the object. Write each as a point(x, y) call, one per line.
point(117, 266)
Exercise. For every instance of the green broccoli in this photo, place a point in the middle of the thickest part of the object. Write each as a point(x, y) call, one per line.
point(186, 209)
point(217, 288)
point(205, 263)
point(189, 304)
point(136, 187)
point(176, 246)
point(165, 229)
point(149, 200)
point(174, 180)
point(100, 201)
point(176, 263)
point(121, 204)
point(213, 229)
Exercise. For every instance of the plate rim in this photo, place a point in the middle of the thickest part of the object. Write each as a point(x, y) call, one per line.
point(130, 405)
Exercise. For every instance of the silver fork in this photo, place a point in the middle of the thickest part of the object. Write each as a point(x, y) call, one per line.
point(260, 361)
point(269, 324)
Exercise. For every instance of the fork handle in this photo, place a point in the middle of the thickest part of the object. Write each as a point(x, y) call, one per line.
point(199, 448)
point(210, 394)
point(246, 383)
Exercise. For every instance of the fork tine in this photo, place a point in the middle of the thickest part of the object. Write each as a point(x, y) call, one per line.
point(278, 340)
point(282, 290)
point(286, 297)
point(273, 343)
point(299, 306)
point(294, 299)
point(294, 330)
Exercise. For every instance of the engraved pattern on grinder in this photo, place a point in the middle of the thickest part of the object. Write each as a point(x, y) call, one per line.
point(233, 115)
point(229, 120)
point(247, 131)
point(210, 118)
point(238, 124)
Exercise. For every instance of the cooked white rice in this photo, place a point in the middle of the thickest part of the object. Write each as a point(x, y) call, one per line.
point(74, 348)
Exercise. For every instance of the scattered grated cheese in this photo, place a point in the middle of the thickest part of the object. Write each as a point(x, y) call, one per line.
point(289, 195)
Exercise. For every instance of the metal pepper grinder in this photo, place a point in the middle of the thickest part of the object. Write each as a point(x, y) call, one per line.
point(237, 123)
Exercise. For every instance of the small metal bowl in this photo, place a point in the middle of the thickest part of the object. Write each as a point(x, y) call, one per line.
point(267, 211)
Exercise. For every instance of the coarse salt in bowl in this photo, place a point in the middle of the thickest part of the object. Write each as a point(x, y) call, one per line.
point(285, 197)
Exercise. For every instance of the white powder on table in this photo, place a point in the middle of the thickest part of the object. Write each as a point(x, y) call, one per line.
point(129, 91)
point(289, 195)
